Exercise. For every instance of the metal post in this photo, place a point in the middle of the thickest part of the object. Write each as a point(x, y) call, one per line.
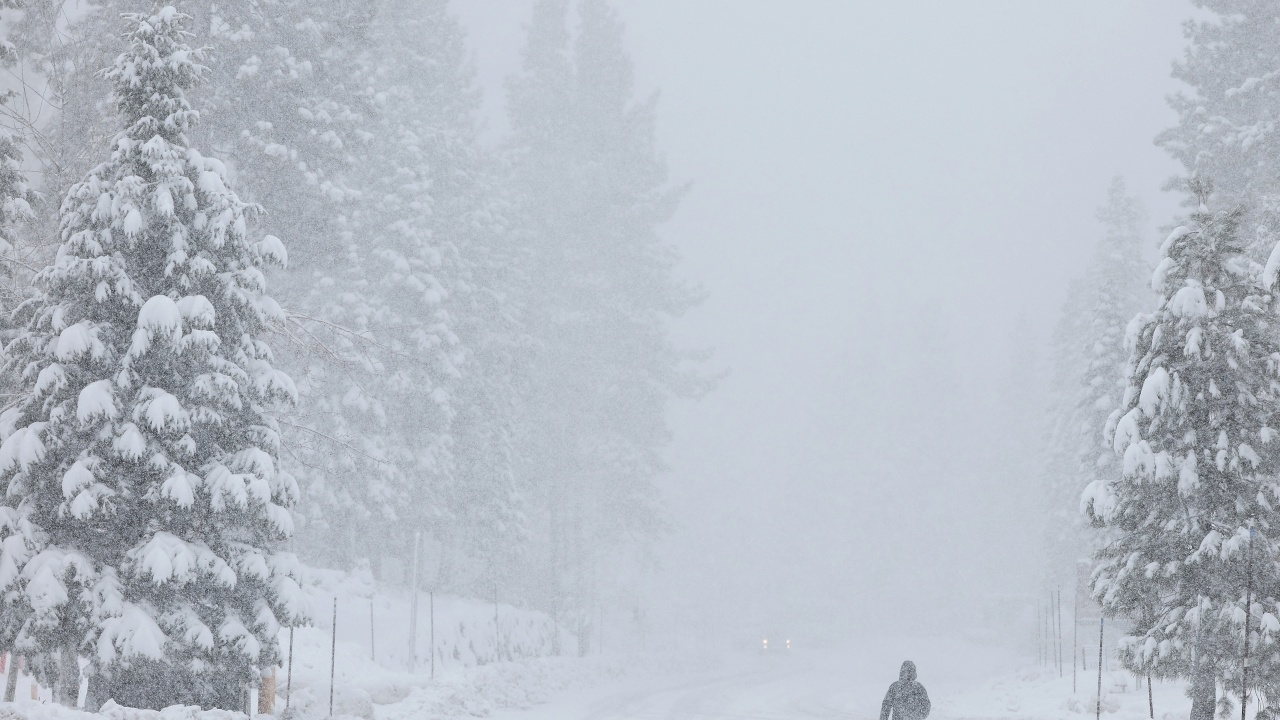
point(1039, 635)
point(1060, 631)
point(1048, 632)
point(1075, 639)
point(413, 606)
point(1101, 624)
point(288, 686)
point(1248, 610)
point(333, 654)
point(1053, 636)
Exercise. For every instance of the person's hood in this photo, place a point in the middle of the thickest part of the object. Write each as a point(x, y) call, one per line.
point(908, 671)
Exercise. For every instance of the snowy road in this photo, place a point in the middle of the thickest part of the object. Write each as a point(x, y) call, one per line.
point(767, 693)
point(804, 685)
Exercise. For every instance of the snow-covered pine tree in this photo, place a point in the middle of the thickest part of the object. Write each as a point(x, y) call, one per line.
point(59, 52)
point(417, 288)
point(354, 122)
point(1226, 124)
point(295, 112)
point(145, 513)
point(285, 108)
point(444, 255)
point(590, 190)
point(16, 195)
point(16, 198)
point(15, 208)
point(1088, 365)
point(293, 100)
point(1196, 431)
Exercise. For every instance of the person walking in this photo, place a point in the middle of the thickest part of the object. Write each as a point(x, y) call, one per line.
point(906, 699)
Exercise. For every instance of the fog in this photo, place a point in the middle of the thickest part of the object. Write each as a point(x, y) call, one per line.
point(619, 339)
point(888, 201)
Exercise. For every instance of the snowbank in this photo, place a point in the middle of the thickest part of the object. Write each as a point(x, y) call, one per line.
point(1041, 693)
point(486, 656)
point(461, 693)
point(468, 655)
point(36, 710)
point(374, 627)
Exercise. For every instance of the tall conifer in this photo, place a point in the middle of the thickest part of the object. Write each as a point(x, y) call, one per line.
point(590, 190)
point(1088, 364)
point(145, 510)
point(1195, 434)
point(1226, 130)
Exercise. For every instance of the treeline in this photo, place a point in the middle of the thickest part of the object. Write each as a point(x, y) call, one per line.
point(453, 339)
point(1163, 466)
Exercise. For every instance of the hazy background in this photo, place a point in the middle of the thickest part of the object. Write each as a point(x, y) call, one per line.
point(888, 202)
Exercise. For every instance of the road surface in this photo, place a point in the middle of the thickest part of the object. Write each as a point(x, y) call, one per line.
point(845, 685)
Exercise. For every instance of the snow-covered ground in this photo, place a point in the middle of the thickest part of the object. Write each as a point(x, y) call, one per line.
point(1039, 693)
point(803, 685)
point(966, 683)
point(499, 661)
point(463, 649)
point(469, 659)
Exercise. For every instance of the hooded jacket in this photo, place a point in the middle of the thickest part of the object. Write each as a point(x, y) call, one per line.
point(906, 698)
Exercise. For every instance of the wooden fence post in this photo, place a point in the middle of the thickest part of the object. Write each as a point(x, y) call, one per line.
point(267, 694)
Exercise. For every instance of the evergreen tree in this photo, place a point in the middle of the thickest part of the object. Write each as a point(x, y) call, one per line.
point(355, 123)
point(291, 103)
point(16, 196)
point(424, 391)
point(1088, 362)
point(1199, 470)
point(1226, 123)
point(16, 201)
point(293, 107)
point(590, 191)
point(285, 100)
point(145, 512)
point(285, 107)
point(464, 249)
point(60, 55)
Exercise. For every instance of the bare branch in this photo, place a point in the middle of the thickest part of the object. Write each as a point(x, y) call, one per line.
point(333, 439)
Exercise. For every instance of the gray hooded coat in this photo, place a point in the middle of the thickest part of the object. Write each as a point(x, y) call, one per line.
point(906, 699)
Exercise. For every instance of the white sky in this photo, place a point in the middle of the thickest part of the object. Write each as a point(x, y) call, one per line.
point(882, 193)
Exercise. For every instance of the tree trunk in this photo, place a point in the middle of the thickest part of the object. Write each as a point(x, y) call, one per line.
point(68, 685)
point(584, 635)
point(1204, 693)
point(96, 695)
point(11, 687)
